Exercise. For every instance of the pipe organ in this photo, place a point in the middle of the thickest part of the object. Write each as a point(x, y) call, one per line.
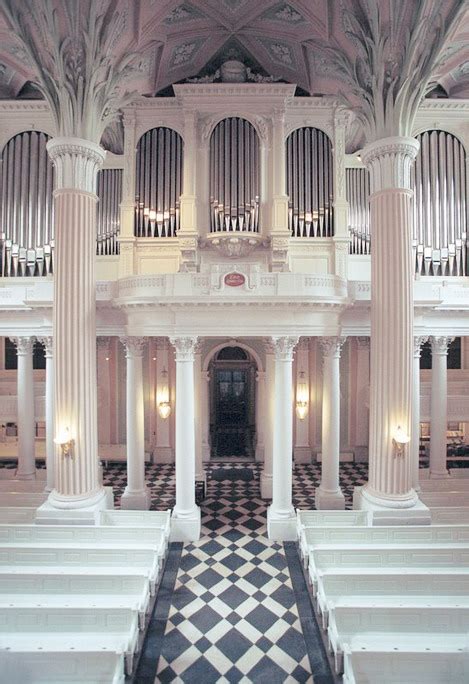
point(109, 192)
point(234, 176)
point(358, 193)
point(26, 236)
point(158, 183)
point(309, 183)
point(440, 211)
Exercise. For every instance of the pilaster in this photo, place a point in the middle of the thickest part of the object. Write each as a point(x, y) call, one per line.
point(188, 231)
point(280, 233)
point(26, 469)
point(439, 407)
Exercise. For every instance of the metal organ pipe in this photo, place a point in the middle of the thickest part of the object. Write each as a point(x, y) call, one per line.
point(309, 183)
point(234, 176)
point(158, 183)
point(358, 192)
point(109, 192)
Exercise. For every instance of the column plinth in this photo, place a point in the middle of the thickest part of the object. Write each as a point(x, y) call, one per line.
point(136, 496)
point(439, 407)
point(186, 514)
point(77, 484)
point(329, 495)
point(390, 471)
point(281, 519)
point(26, 420)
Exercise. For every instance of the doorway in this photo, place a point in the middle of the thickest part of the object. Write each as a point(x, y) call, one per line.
point(232, 404)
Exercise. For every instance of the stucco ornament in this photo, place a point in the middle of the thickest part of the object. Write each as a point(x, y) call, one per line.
point(80, 62)
point(388, 59)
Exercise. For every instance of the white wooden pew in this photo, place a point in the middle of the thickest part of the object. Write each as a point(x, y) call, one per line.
point(330, 518)
point(17, 515)
point(395, 627)
point(367, 588)
point(22, 499)
point(59, 589)
point(420, 667)
point(69, 667)
point(443, 499)
point(459, 515)
point(54, 557)
point(381, 558)
point(157, 519)
point(65, 629)
point(85, 534)
point(418, 534)
point(448, 484)
point(22, 485)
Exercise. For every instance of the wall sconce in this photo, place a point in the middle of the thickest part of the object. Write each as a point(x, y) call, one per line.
point(400, 439)
point(164, 405)
point(65, 442)
point(301, 397)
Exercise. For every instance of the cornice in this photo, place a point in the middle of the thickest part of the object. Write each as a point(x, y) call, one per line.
point(276, 90)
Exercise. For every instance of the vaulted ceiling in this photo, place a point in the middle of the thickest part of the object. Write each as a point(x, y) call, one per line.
point(191, 35)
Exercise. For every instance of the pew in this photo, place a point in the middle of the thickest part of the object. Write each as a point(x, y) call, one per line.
point(140, 519)
point(69, 667)
point(17, 515)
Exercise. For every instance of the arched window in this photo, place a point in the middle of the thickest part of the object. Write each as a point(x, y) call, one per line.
point(27, 206)
point(158, 183)
point(234, 176)
point(310, 183)
point(232, 354)
point(440, 220)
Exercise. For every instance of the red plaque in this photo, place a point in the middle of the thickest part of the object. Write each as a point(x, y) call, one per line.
point(234, 279)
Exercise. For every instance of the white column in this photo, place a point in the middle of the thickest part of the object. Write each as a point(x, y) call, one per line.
point(188, 234)
point(77, 484)
point(329, 495)
point(186, 514)
point(26, 410)
point(439, 407)
point(205, 414)
point(199, 382)
point(136, 495)
point(390, 475)
point(280, 233)
point(127, 209)
point(268, 412)
point(48, 343)
point(302, 449)
point(104, 390)
point(362, 407)
point(341, 237)
point(281, 520)
point(415, 433)
point(164, 452)
point(260, 402)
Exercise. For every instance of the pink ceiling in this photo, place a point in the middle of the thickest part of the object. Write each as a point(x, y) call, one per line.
point(186, 34)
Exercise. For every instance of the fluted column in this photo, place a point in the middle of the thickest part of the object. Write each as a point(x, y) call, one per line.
point(280, 234)
point(269, 421)
point(390, 476)
point(26, 410)
point(104, 425)
point(281, 515)
point(415, 432)
point(48, 343)
point(439, 407)
point(186, 514)
point(76, 164)
point(136, 495)
point(329, 495)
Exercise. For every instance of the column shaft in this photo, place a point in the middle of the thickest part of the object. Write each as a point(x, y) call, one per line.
point(269, 422)
point(439, 407)
point(26, 409)
point(50, 446)
point(415, 433)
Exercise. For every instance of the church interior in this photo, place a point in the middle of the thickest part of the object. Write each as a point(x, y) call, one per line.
point(234, 341)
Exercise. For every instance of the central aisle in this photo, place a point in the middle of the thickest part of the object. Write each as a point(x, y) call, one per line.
point(233, 614)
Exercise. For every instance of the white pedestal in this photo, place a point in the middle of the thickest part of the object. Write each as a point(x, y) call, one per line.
point(187, 528)
point(47, 514)
point(418, 514)
point(281, 528)
point(329, 501)
point(138, 501)
point(302, 454)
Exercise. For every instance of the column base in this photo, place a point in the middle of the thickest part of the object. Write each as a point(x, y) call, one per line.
point(185, 528)
point(281, 526)
point(163, 455)
point(329, 501)
point(25, 476)
point(50, 513)
point(259, 456)
point(439, 475)
point(302, 455)
point(392, 512)
point(266, 485)
point(136, 501)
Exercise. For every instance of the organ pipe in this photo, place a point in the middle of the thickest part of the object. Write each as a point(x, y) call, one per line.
point(109, 193)
point(158, 183)
point(234, 177)
point(358, 192)
point(310, 183)
point(439, 205)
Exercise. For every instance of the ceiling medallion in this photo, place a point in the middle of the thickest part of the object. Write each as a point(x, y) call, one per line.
point(235, 244)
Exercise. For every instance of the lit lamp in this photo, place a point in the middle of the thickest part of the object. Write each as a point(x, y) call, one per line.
point(164, 405)
point(400, 439)
point(65, 442)
point(301, 397)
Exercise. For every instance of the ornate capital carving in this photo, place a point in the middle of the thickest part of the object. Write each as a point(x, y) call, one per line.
point(389, 162)
point(418, 341)
point(332, 346)
point(76, 163)
point(103, 344)
point(134, 346)
point(284, 347)
point(440, 345)
point(363, 343)
point(24, 345)
point(48, 343)
point(185, 347)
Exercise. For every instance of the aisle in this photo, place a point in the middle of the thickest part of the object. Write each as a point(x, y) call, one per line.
point(233, 614)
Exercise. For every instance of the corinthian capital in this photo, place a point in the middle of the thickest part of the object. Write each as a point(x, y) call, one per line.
point(332, 346)
point(24, 345)
point(418, 341)
point(134, 346)
point(48, 343)
point(284, 347)
point(440, 344)
point(185, 347)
